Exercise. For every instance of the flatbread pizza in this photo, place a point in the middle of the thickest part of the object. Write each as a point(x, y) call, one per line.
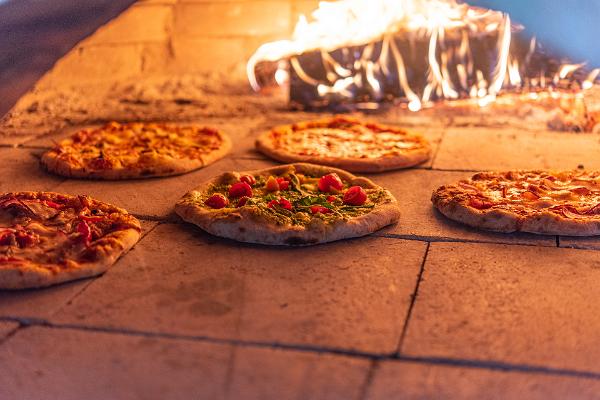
point(346, 143)
point(48, 238)
point(544, 202)
point(295, 204)
point(136, 150)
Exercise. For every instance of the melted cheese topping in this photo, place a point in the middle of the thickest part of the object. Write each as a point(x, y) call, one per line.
point(352, 140)
point(572, 194)
point(136, 145)
point(31, 230)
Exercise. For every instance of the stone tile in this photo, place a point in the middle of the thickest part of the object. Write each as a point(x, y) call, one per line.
point(180, 280)
point(495, 149)
point(6, 328)
point(69, 364)
point(20, 171)
point(413, 188)
point(156, 197)
point(276, 374)
point(42, 303)
point(234, 18)
point(408, 381)
point(574, 242)
point(38, 303)
point(513, 304)
point(147, 23)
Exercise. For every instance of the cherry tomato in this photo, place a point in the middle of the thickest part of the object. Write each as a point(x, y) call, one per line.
point(330, 183)
point(242, 201)
point(283, 184)
point(355, 196)
point(217, 200)
point(282, 202)
point(330, 199)
point(271, 184)
point(249, 179)
point(240, 189)
point(319, 209)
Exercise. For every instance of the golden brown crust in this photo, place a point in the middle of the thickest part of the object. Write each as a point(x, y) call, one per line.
point(543, 202)
point(144, 159)
point(281, 143)
point(34, 268)
point(244, 225)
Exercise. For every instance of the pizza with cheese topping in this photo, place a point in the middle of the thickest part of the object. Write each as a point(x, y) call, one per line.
point(544, 202)
point(136, 150)
point(295, 204)
point(346, 143)
point(48, 238)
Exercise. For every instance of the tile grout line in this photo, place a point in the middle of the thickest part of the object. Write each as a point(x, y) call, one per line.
point(373, 368)
point(426, 360)
point(413, 300)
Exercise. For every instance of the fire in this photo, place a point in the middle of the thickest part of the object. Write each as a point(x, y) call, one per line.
point(368, 51)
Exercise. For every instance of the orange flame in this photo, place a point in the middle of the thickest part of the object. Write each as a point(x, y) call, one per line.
point(452, 72)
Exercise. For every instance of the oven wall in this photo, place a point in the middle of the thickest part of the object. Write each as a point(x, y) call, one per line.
point(160, 37)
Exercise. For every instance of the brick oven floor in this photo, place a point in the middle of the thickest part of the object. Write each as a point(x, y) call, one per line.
point(423, 309)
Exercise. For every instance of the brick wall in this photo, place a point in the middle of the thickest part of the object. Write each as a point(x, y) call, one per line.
point(160, 37)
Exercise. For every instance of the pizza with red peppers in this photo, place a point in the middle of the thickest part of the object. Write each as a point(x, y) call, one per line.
point(295, 204)
point(136, 150)
point(346, 143)
point(48, 238)
point(551, 203)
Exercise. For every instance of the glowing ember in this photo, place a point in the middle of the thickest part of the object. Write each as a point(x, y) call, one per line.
point(365, 52)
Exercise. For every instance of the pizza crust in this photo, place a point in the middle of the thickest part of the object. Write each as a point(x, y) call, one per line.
point(29, 274)
point(454, 204)
point(160, 165)
point(412, 157)
point(245, 226)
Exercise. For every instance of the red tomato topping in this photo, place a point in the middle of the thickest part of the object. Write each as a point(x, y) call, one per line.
point(282, 202)
point(242, 201)
point(271, 184)
point(240, 189)
point(330, 183)
point(249, 179)
point(331, 199)
point(84, 229)
point(479, 203)
point(53, 204)
point(283, 183)
point(355, 196)
point(217, 200)
point(319, 209)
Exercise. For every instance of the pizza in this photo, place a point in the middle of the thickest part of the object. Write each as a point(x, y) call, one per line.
point(346, 143)
point(545, 202)
point(48, 238)
point(295, 204)
point(136, 150)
